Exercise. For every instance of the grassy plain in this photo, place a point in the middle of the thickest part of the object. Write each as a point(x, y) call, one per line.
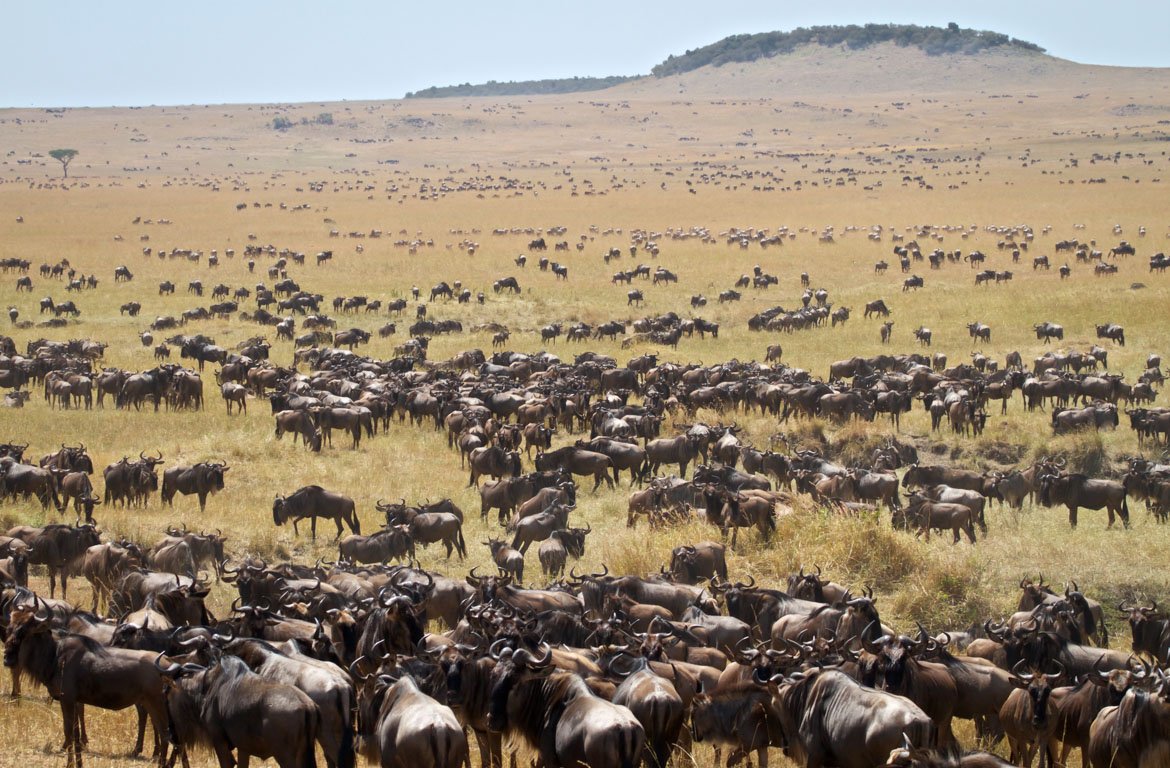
point(992, 144)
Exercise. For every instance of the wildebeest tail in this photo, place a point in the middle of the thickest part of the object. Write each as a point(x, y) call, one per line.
point(462, 543)
point(309, 734)
point(631, 742)
point(925, 735)
point(346, 757)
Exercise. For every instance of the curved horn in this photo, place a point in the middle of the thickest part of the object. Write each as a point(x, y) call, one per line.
point(869, 645)
point(1018, 672)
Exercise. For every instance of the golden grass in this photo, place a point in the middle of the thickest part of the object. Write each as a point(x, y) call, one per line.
point(584, 162)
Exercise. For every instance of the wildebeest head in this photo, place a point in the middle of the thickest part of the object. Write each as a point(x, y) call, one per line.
point(453, 661)
point(279, 510)
point(1118, 681)
point(487, 587)
point(1146, 624)
point(1039, 687)
point(513, 668)
point(807, 586)
point(211, 474)
point(892, 655)
point(24, 622)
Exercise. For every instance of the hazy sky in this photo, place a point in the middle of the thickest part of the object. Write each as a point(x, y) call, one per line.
point(131, 52)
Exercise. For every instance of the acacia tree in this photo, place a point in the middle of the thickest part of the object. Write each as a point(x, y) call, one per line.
point(63, 156)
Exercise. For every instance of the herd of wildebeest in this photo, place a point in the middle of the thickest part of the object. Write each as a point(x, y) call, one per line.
point(594, 669)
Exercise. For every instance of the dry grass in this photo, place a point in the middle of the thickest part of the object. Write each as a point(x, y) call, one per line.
point(594, 162)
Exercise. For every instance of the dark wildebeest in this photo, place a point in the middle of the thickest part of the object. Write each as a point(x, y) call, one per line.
point(313, 501)
point(1112, 331)
point(495, 461)
point(897, 668)
point(1150, 630)
point(27, 480)
point(389, 543)
point(578, 462)
point(79, 671)
point(828, 718)
point(1076, 490)
point(657, 705)
point(60, 548)
point(691, 564)
point(559, 716)
point(231, 708)
point(329, 687)
point(202, 479)
point(132, 482)
point(403, 727)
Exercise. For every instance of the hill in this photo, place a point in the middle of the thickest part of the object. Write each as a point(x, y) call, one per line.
point(934, 41)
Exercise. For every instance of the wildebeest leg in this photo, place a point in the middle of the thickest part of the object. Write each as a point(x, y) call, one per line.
point(72, 746)
point(313, 526)
point(339, 529)
point(295, 531)
point(1072, 516)
point(141, 732)
point(224, 753)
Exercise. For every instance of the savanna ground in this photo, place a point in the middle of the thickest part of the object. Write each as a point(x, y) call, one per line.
point(1079, 150)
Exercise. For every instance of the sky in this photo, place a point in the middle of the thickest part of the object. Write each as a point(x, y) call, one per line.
point(65, 53)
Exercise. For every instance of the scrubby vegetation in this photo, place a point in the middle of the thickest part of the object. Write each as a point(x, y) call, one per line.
point(522, 87)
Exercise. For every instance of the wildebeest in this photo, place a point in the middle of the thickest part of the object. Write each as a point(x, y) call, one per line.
point(578, 462)
point(657, 705)
point(558, 716)
point(403, 727)
point(1048, 331)
point(201, 479)
point(1111, 331)
point(979, 332)
point(313, 501)
point(925, 515)
point(61, 548)
point(1076, 490)
point(26, 480)
point(78, 671)
point(132, 482)
point(329, 688)
point(231, 708)
point(828, 718)
point(390, 543)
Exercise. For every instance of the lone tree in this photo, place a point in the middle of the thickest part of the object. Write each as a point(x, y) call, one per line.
point(63, 156)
